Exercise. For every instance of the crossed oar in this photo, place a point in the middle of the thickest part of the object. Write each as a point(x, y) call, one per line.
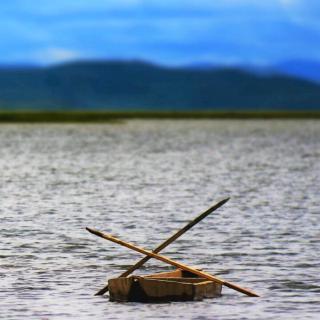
point(153, 254)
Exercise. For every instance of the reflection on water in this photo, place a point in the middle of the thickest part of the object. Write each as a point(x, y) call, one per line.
point(142, 181)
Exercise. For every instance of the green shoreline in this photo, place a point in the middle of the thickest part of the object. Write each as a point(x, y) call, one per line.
point(111, 116)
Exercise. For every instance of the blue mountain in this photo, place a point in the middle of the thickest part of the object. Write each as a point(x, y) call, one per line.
point(305, 69)
point(136, 85)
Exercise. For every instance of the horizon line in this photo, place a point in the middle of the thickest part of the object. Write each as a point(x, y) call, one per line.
point(196, 64)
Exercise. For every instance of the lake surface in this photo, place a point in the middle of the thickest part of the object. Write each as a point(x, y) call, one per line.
point(143, 180)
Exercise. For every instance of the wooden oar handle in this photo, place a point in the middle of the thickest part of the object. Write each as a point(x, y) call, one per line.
point(240, 289)
point(175, 236)
point(172, 262)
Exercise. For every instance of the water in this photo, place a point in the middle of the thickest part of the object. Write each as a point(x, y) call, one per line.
point(143, 180)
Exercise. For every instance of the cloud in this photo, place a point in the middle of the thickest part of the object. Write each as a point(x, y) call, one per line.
point(288, 3)
point(55, 55)
point(165, 31)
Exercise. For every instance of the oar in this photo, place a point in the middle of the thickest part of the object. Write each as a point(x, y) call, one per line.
point(173, 263)
point(167, 242)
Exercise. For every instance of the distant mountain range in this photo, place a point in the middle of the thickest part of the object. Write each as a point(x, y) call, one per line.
point(309, 70)
point(304, 69)
point(136, 85)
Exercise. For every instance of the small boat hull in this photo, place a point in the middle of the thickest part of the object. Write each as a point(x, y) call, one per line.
point(177, 285)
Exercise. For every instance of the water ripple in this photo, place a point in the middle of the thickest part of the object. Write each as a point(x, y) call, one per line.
point(143, 180)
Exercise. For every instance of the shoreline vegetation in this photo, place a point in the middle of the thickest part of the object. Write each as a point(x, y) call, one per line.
point(114, 116)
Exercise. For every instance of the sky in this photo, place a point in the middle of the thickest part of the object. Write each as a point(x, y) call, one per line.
point(172, 32)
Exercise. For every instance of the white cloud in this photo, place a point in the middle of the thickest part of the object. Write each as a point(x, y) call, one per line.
point(288, 3)
point(178, 30)
point(52, 8)
point(56, 55)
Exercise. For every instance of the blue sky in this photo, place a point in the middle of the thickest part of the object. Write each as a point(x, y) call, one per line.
point(170, 32)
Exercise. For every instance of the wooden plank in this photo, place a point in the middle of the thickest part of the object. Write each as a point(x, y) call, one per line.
point(170, 274)
point(143, 289)
point(172, 262)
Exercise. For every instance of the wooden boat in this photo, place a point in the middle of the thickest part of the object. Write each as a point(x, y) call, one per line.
point(177, 285)
point(183, 284)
